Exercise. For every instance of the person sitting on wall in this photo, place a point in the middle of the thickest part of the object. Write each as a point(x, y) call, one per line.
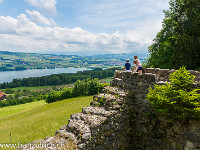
point(127, 65)
point(135, 68)
point(138, 64)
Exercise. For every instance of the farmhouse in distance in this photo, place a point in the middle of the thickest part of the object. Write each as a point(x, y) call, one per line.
point(2, 95)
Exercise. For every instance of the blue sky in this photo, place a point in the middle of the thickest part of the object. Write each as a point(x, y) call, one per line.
point(83, 27)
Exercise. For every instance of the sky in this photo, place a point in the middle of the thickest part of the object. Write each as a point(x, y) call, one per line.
point(81, 27)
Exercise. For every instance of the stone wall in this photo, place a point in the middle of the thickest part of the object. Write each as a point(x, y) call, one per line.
point(151, 130)
point(105, 124)
point(120, 118)
point(163, 74)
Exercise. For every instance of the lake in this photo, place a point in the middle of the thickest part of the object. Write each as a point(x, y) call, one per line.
point(8, 76)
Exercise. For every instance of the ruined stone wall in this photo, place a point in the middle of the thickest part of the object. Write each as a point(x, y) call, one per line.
point(163, 74)
point(120, 118)
point(104, 125)
point(151, 130)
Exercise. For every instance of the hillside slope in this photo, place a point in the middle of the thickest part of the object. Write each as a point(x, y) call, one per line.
point(36, 123)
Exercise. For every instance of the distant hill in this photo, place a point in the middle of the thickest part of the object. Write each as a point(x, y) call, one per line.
point(21, 61)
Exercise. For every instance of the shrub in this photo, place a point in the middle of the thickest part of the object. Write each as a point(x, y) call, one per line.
point(81, 88)
point(53, 96)
point(176, 99)
point(93, 86)
point(66, 93)
point(9, 91)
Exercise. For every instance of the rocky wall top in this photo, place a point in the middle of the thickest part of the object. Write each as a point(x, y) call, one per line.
point(163, 74)
point(134, 82)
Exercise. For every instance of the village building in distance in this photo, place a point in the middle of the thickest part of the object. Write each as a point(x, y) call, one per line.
point(2, 95)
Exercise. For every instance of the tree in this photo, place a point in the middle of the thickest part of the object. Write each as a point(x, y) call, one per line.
point(177, 99)
point(93, 86)
point(178, 42)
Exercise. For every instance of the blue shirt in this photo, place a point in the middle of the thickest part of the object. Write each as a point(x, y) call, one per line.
point(128, 66)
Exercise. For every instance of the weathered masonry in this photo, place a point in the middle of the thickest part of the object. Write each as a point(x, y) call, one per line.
point(122, 118)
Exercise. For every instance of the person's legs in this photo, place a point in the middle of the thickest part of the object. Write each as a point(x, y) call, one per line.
point(140, 69)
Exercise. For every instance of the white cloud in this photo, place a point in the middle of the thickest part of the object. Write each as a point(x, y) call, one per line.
point(7, 25)
point(26, 27)
point(145, 15)
point(38, 18)
point(46, 6)
point(1, 1)
point(25, 35)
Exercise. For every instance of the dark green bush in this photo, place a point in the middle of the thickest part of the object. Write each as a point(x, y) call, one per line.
point(176, 99)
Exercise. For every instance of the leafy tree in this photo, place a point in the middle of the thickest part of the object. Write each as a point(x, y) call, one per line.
point(66, 93)
point(53, 96)
point(80, 88)
point(178, 42)
point(93, 86)
point(177, 99)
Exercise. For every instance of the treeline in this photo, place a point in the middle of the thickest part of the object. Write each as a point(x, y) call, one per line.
point(81, 88)
point(59, 79)
point(26, 96)
point(17, 101)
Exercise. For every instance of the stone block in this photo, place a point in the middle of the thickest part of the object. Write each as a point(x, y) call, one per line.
point(86, 136)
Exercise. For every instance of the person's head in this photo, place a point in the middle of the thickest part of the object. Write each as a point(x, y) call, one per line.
point(127, 60)
point(134, 62)
point(135, 57)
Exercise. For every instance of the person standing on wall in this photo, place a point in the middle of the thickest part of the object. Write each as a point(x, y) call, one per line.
point(138, 64)
point(127, 65)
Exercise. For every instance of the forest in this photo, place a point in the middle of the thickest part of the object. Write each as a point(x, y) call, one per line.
point(178, 42)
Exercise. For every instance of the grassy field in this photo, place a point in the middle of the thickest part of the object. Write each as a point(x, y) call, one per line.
point(10, 110)
point(107, 80)
point(37, 120)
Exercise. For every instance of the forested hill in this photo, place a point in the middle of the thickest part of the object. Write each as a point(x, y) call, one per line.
point(59, 79)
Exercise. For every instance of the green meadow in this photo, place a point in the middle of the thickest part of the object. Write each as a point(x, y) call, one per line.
point(107, 80)
point(37, 120)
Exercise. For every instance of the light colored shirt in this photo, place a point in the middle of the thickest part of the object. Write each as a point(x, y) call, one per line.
point(135, 68)
point(138, 64)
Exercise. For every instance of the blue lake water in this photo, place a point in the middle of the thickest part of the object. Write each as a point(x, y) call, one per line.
point(8, 76)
